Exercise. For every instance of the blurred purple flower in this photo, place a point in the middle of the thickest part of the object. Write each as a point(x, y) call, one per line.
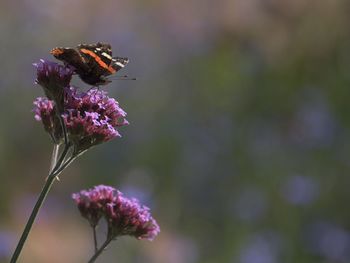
point(7, 241)
point(262, 248)
point(251, 205)
point(314, 124)
point(124, 216)
point(329, 240)
point(300, 190)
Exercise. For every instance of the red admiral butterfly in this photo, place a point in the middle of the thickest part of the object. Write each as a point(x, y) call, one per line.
point(93, 63)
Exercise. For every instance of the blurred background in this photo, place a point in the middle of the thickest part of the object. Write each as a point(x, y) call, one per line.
point(238, 137)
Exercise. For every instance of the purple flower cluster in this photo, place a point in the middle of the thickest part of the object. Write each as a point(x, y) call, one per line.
point(82, 120)
point(50, 73)
point(90, 117)
point(92, 203)
point(45, 112)
point(124, 216)
point(53, 78)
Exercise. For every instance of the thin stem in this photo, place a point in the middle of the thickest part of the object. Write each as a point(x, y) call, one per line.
point(58, 111)
point(54, 156)
point(95, 238)
point(68, 162)
point(64, 165)
point(64, 129)
point(100, 250)
point(48, 183)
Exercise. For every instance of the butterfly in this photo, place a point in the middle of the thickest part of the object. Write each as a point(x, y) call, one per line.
point(93, 63)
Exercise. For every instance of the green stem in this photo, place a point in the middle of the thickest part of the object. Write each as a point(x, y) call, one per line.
point(100, 250)
point(50, 180)
point(54, 156)
point(64, 166)
point(64, 128)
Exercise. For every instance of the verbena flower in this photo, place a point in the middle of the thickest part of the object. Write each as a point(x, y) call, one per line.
point(92, 203)
point(128, 217)
point(124, 216)
point(45, 112)
point(53, 78)
point(90, 117)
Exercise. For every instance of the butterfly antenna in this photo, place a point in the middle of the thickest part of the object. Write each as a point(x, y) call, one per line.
point(125, 77)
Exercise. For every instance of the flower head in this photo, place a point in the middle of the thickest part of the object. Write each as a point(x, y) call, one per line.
point(45, 112)
point(53, 78)
point(91, 203)
point(124, 216)
point(128, 217)
point(90, 117)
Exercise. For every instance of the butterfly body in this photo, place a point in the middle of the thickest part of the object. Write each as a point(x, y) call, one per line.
point(93, 63)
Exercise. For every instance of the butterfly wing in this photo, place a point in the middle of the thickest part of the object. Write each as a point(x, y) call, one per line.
point(70, 57)
point(98, 57)
point(101, 50)
point(118, 63)
point(93, 63)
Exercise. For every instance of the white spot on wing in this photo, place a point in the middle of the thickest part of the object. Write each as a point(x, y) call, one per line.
point(106, 55)
point(120, 64)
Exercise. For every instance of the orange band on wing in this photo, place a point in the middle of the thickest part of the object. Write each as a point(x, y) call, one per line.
point(97, 59)
point(56, 51)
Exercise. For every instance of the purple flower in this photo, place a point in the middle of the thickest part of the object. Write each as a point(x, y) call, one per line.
point(49, 72)
point(7, 241)
point(124, 216)
point(92, 117)
point(127, 217)
point(92, 203)
point(45, 112)
point(328, 240)
point(53, 78)
point(264, 247)
point(300, 190)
